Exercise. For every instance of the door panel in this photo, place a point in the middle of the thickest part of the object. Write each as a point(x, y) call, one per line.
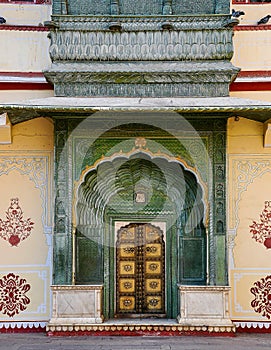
point(140, 271)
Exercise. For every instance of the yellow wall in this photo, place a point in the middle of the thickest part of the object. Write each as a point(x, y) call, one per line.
point(251, 49)
point(26, 175)
point(249, 178)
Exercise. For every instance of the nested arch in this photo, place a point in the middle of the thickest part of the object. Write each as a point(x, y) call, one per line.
point(171, 190)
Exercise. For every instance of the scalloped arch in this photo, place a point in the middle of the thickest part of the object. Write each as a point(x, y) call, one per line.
point(111, 182)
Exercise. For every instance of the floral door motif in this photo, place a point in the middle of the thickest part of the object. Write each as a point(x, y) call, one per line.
point(140, 271)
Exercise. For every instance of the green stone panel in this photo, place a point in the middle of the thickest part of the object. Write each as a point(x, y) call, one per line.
point(192, 261)
point(89, 263)
point(62, 272)
point(221, 264)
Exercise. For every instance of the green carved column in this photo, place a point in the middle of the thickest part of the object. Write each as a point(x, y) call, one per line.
point(62, 273)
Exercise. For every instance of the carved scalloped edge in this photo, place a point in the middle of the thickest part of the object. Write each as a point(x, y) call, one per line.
point(176, 329)
point(253, 325)
point(22, 325)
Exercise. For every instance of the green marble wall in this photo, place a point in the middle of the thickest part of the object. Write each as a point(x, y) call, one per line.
point(80, 143)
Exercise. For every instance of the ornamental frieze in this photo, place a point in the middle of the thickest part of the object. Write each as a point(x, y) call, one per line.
point(141, 45)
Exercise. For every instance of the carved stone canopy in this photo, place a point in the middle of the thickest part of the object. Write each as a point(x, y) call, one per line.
point(144, 48)
point(67, 107)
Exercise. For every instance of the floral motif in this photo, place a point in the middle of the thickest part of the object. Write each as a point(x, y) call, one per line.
point(13, 297)
point(262, 293)
point(140, 142)
point(151, 249)
point(127, 302)
point(153, 284)
point(15, 229)
point(261, 231)
point(154, 302)
point(129, 250)
point(127, 268)
point(127, 285)
point(153, 267)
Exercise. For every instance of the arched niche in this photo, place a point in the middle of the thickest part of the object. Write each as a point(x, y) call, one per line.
point(140, 187)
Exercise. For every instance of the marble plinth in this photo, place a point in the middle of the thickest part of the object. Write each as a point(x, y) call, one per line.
point(76, 304)
point(204, 306)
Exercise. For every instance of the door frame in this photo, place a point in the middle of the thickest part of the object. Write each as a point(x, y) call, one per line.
point(171, 266)
point(162, 227)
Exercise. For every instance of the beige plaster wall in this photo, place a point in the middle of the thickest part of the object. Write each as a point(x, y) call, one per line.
point(253, 95)
point(26, 14)
point(249, 178)
point(253, 12)
point(13, 96)
point(24, 51)
point(26, 175)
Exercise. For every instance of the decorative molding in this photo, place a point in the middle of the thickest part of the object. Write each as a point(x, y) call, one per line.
point(252, 326)
point(145, 89)
point(139, 329)
point(245, 170)
point(204, 44)
point(36, 167)
point(140, 22)
point(5, 327)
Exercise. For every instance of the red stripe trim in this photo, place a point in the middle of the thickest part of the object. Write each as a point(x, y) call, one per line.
point(254, 74)
point(25, 86)
point(235, 86)
point(24, 28)
point(22, 74)
point(27, 2)
point(252, 27)
point(250, 86)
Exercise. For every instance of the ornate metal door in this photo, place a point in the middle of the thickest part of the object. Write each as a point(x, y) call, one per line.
point(140, 271)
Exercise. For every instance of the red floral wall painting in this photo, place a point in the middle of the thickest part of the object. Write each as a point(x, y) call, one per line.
point(262, 296)
point(261, 231)
point(13, 298)
point(15, 228)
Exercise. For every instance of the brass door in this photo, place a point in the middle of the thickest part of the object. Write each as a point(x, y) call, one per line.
point(140, 271)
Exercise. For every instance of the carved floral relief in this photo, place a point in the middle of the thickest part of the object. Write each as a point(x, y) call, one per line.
point(261, 231)
point(15, 229)
point(13, 298)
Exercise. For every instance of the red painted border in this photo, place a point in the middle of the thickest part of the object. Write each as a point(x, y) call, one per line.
point(235, 86)
point(252, 27)
point(139, 333)
point(253, 74)
point(25, 86)
point(250, 86)
point(22, 74)
point(23, 330)
point(27, 2)
point(24, 28)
